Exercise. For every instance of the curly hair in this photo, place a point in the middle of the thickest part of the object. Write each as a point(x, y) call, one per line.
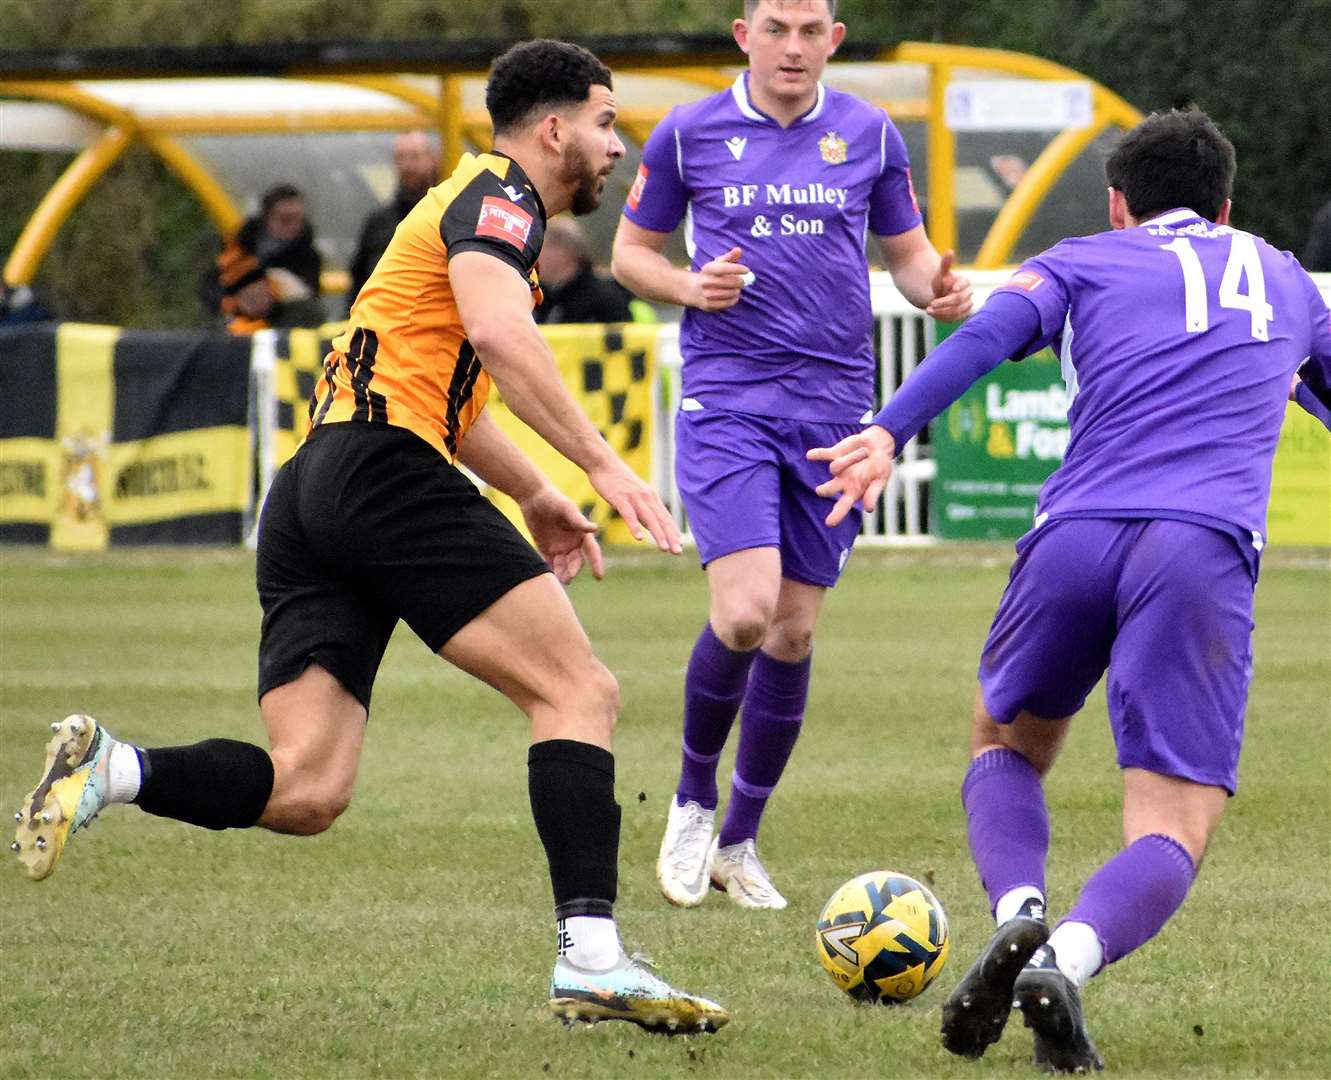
point(1173, 159)
point(541, 73)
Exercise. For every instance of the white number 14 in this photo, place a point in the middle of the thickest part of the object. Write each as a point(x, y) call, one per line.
point(1243, 262)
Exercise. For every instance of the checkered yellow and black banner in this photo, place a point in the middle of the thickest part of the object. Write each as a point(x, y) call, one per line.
point(609, 369)
point(299, 367)
point(112, 437)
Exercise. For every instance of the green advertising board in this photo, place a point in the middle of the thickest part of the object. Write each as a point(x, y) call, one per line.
point(995, 447)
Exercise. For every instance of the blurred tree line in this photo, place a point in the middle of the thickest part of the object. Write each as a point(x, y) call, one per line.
point(134, 251)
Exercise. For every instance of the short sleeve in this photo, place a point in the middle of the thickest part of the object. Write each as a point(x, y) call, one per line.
point(893, 207)
point(1043, 282)
point(658, 198)
point(486, 216)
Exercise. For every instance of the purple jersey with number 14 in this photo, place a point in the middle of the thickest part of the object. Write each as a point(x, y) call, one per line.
point(1178, 339)
point(799, 202)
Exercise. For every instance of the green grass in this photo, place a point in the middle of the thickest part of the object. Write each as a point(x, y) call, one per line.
point(415, 938)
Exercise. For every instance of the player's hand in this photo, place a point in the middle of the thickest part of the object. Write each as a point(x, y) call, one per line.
point(952, 292)
point(1294, 387)
point(563, 536)
point(717, 285)
point(860, 465)
point(637, 503)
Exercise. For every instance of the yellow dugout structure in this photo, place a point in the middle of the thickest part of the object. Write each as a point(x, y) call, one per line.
point(216, 116)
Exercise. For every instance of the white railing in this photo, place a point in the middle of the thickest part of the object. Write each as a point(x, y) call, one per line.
point(905, 336)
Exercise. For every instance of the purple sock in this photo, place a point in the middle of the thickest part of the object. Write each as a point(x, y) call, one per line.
point(1007, 822)
point(770, 724)
point(713, 689)
point(1129, 899)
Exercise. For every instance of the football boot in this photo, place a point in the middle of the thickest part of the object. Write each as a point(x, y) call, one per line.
point(72, 792)
point(1051, 1006)
point(977, 1010)
point(737, 871)
point(630, 991)
point(681, 866)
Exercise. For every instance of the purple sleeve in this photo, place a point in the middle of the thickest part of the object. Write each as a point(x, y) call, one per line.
point(1003, 328)
point(658, 198)
point(1316, 370)
point(1313, 405)
point(893, 208)
point(1043, 281)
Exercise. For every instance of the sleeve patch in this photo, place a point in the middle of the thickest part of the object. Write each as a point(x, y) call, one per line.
point(505, 221)
point(1024, 279)
point(639, 185)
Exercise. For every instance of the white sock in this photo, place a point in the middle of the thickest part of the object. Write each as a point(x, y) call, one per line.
point(1010, 902)
point(123, 773)
point(1077, 950)
point(589, 942)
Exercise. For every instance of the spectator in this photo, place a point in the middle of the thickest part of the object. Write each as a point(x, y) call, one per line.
point(574, 291)
point(1316, 255)
point(268, 273)
point(417, 165)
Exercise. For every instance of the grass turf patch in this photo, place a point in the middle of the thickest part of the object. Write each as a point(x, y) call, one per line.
point(415, 938)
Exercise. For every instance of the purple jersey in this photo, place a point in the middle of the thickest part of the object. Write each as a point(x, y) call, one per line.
point(799, 202)
point(1178, 339)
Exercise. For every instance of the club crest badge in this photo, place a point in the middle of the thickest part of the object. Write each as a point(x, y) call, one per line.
point(833, 148)
point(82, 458)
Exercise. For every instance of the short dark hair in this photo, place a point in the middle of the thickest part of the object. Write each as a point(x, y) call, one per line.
point(533, 74)
point(1171, 159)
point(279, 193)
point(750, 6)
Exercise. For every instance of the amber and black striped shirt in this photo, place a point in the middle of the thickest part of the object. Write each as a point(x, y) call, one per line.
point(404, 358)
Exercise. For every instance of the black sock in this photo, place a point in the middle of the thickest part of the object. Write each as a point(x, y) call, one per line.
point(572, 789)
point(218, 783)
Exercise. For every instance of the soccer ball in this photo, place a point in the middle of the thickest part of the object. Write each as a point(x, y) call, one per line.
point(883, 937)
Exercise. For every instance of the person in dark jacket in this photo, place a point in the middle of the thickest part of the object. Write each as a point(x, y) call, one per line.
point(268, 273)
point(574, 291)
point(417, 165)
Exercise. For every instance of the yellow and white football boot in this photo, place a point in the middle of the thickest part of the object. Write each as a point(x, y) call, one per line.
point(72, 792)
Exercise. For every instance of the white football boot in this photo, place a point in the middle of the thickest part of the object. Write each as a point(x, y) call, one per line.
point(681, 867)
point(738, 871)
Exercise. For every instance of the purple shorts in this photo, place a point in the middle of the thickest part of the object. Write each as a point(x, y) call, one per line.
point(746, 484)
point(1165, 605)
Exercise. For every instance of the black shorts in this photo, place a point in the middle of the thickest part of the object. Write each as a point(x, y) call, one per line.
point(367, 524)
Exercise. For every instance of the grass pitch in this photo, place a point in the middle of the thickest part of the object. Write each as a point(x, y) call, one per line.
point(415, 938)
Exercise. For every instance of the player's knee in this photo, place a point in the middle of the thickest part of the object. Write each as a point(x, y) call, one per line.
point(598, 698)
point(307, 812)
point(789, 642)
point(742, 627)
point(605, 688)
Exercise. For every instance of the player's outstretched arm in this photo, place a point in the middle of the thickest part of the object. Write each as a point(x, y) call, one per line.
point(1302, 395)
point(924, 277)
point(494, 303)
point(860, 465)
point(639, 264)
point(565, 538)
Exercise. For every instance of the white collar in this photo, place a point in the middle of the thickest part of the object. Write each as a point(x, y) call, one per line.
point(740, 91)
